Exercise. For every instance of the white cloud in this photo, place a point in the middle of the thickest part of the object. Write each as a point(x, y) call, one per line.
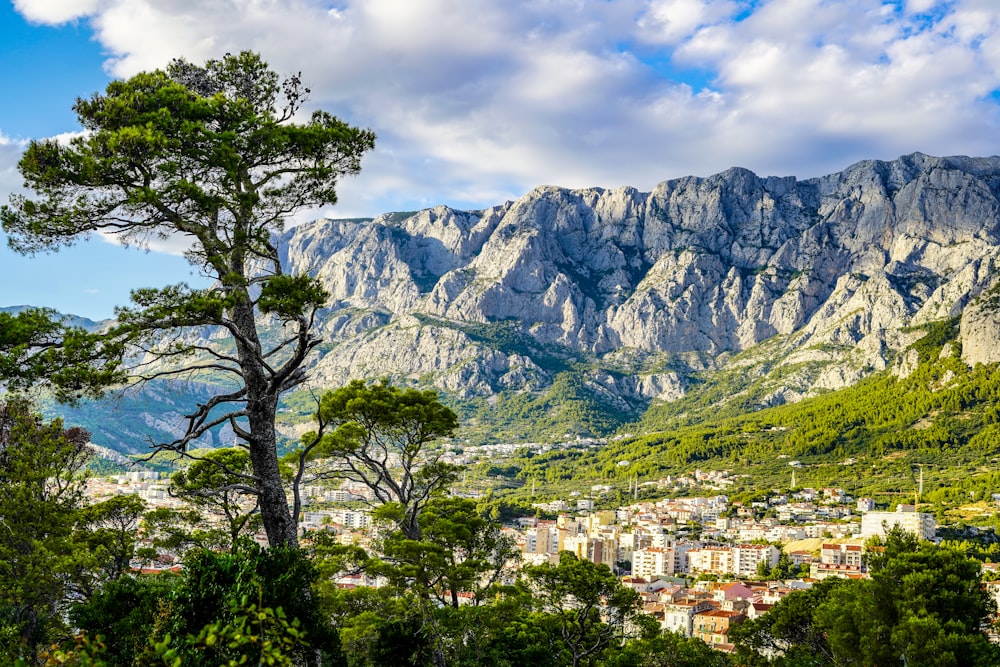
point(919, 6)
point(65, 138)
point(674, 21)
point(10, 154)
point(55, 11)
point(476, 102)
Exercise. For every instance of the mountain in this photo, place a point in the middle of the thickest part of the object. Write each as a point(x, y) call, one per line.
point(68, 320)
point(643, 290)
point(571, 311)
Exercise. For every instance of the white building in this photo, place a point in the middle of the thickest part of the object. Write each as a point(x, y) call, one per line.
point(747, 557)
point(679, 616)
point(921, 524)
point(653, 562)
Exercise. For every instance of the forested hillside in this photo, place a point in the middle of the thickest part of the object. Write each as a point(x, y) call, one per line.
point(871, 438)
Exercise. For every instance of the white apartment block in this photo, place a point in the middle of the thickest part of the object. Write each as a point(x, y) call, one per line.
point(747, 557)
point(654, 562)
point(351, 519)
point(921, 524)
point(711, 559)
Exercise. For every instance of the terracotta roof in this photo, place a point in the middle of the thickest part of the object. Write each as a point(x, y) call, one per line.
point(720, 613)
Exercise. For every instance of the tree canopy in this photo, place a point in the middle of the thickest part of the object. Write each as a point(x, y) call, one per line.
point(213, 154)
point(922, 605)
point(218, 480)
point(41, 563)
point(378, 435)
point(588, 607)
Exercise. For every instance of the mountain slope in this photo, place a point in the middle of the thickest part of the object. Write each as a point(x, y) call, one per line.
point(642, 290)
point(885, 437)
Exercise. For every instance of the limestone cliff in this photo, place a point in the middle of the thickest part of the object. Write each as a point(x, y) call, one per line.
point(833, 272)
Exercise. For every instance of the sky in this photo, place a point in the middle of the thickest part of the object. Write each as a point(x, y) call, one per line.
point(475, 102)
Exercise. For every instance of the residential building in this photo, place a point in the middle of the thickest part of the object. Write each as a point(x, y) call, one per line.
point(748, 557)
point(679, 616)
point(712, 626)
point(711, 560)
point(921, 524)
point(841, 554)
point(654, 562)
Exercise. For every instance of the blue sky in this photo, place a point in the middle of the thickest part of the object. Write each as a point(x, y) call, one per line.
point(476, 102)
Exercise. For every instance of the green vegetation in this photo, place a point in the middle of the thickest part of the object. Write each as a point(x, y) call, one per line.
point(566, 409)
point(378, 435)
point(871, 439)
point(220, 479)
point(573, 594)
point(42, 558)
point(279, 606)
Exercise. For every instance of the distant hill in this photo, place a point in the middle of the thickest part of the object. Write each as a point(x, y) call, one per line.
point(70, 320)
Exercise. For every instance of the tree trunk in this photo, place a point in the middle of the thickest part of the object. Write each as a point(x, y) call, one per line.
point(262, 408)
point(279, 524)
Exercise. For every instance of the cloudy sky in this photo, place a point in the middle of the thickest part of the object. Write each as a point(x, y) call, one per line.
point(477, 101)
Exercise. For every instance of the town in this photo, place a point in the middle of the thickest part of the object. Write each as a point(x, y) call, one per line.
point(702, 564)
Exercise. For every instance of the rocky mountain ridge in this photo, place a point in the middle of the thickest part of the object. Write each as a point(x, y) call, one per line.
point(832, 272)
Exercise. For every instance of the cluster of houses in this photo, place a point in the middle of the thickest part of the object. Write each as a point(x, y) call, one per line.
point(708, 609)
point(698, 562)
point(701, 563)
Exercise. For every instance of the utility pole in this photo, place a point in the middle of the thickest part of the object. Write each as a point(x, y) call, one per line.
point(920, 485)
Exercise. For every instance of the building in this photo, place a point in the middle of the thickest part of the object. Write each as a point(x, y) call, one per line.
point(733, 590)
point(920, 524)
point(654, 562)
point(841, 554)
point(679, 616)
point(866, 505)
point(800, 557)
point(748, 557)
point(596, 550)
point(711, 560)
point(820, 571)
point(542, 539)
point(712, 626)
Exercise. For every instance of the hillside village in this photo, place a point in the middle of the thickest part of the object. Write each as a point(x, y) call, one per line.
point(701, 564)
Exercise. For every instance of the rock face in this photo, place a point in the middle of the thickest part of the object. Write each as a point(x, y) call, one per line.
point(832, 272)
point(980, 329)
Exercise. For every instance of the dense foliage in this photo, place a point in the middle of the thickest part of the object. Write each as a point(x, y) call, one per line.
point(378, 435)
point(221, 479)
point(42, 561)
